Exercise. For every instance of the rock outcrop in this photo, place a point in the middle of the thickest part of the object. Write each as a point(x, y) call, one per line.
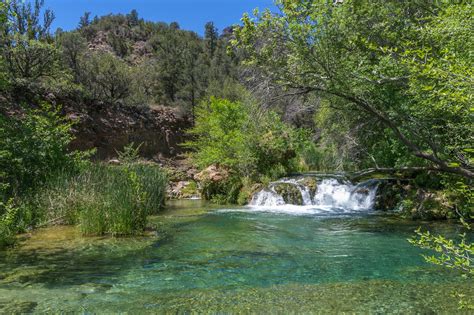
point(213, 173)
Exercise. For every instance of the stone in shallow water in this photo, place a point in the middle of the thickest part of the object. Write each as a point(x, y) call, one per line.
point(18, 307)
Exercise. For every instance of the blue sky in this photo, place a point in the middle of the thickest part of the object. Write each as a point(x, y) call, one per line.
point(190, 14)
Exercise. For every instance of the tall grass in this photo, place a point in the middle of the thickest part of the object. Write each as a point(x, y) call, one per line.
point(104, 199)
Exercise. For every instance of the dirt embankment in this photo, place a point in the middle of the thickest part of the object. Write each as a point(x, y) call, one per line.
point(109, 128)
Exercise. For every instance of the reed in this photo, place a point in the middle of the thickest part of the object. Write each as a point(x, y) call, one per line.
point(104, 199)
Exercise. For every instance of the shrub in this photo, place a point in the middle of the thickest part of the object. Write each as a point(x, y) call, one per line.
point(452, 254)
point(8, 227)
point(33, 147)
point(249, 142)
point(105, 76)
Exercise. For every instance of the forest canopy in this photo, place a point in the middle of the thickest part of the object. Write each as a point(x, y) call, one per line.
point(114, 59)
point(397, 74)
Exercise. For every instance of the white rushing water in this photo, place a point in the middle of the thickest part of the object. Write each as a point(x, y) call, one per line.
point(331, 196)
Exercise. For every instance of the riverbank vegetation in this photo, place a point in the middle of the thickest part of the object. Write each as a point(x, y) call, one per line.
point(391, 82)
point(43, 183)
point(400, 72)
point(329, 87)
point(252, 145)
point(324, 86)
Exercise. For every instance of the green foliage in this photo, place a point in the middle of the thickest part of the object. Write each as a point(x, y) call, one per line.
point(32, 59)
point(130, 153)
point(247, 142)
point(26, 42)
point(73, 47)
point(460, 192)
point(450, 254)
point(8, 226)
point(3, 27)
point(33, 150)
point(397, 74)
point(105, 76)
point(103, 199)
point(167, 65)
point(114, 58)
point(220, 134)
point(33, 147)
point(222, 192)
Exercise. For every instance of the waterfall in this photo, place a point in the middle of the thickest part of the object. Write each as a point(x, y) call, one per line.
point(330, 194)
point(268, 198)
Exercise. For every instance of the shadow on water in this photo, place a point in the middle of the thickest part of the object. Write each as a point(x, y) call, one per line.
point(73, 262)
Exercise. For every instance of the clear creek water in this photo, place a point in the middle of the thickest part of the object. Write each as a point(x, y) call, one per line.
point(209, 259)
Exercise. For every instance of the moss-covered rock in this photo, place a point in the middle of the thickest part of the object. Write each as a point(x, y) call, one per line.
point(428, 205)
point(247, 192)
point(290, 193)
point(412, 202)
point(183, 190)
point(311, 183)
point(390, 194)
point(218, 185)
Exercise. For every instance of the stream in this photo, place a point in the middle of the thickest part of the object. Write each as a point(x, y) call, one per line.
point(331, 254)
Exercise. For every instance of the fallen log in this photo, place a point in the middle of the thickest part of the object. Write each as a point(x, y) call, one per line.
point(395, 170)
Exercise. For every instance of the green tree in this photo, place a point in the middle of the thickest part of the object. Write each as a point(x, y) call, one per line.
point(132, 18)
point(85, 20)
point(32, 60)
point(168, 48)
point(194, 72)
point(105, 76)
point(26, 20)
point(211, 37)
point(241, 137)
point(360, 55)
point(3, 29)
point(28, 51)
point(72, 46)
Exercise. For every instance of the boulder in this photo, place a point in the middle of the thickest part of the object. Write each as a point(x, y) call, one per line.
point(213, 173)
point(216, 184)
point(311, 183)
point(290, 193)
